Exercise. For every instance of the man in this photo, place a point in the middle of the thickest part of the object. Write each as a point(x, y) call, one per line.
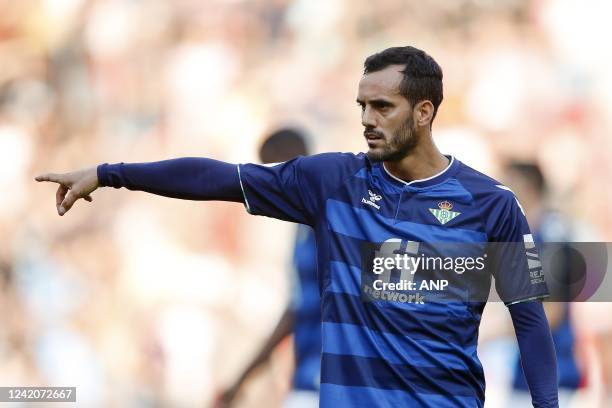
point(378, 353)
point(303, 316)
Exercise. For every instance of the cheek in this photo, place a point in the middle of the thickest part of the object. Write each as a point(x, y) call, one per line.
point(398, 119)
point(396, 126)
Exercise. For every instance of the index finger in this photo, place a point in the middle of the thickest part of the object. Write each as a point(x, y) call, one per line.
point(56, 178)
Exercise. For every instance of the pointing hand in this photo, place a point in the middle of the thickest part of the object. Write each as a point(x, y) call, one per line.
point(72, 186)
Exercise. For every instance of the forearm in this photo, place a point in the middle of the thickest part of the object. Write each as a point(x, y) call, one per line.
point(537, 350)
point(283, 328)
point(189, 178)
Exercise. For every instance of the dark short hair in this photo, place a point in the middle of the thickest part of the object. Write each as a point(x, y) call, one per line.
point(283, 144)
point(531, 172)
point(422, 74)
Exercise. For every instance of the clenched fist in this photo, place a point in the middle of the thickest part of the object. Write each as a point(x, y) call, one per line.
point(72, 186)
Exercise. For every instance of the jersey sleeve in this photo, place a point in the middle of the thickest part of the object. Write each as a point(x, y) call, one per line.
point(515, 261)
point(296, 189)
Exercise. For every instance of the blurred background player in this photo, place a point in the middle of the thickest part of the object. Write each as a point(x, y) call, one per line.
point(302, 317)
point(547, 225)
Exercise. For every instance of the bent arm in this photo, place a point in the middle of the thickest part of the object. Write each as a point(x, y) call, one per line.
point(283, 328)
point(537, 350)
point(189, 178)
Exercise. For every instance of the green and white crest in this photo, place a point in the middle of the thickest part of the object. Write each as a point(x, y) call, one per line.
point(443, 213)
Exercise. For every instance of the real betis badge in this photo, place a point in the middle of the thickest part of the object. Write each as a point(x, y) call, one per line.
point(444, 214)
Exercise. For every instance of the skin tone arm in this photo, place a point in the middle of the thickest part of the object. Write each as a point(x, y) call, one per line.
point(281, 331)
point(72, 187)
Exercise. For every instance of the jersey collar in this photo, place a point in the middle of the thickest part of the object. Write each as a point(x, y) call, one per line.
point(438, 178)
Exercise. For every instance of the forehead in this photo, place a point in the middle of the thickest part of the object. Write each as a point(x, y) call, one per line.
point(383, 83)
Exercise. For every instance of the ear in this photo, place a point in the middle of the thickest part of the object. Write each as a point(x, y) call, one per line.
point(423, 113)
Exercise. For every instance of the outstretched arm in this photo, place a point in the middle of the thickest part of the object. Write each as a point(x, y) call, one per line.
point(537, 350)
point(189, 178)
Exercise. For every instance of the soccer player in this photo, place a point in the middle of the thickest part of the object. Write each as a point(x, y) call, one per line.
point(379, 353)
point(303, 315)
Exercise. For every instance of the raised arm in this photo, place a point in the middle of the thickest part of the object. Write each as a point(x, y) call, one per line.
point(189, 178)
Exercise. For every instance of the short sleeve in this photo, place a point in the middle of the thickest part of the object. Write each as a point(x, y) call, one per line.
point(515, 261)
point(294, 190)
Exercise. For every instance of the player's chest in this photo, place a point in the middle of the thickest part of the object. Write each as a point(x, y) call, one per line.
point(379, 212)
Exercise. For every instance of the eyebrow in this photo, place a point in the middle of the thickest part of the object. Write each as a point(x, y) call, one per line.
point(376, 102)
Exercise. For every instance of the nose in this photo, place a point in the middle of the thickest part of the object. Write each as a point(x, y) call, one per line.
point(368, 118)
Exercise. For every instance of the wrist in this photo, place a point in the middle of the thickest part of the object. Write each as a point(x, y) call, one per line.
point(101, 175)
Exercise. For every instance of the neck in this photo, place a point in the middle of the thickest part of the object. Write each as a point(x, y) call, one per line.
point(424, 161)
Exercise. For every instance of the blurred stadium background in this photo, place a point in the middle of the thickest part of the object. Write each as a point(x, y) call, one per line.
point(146, 301)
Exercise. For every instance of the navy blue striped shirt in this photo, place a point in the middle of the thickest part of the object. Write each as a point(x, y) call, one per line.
point(382, 353)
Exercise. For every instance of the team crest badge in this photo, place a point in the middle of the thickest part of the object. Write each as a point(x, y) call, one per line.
point(443, 213)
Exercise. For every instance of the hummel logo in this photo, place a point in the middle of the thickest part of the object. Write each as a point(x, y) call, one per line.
point(373, 198)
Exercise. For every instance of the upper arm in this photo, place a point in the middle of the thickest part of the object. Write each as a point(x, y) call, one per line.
point(515, 260)
point(275, 190)
point(296, 189)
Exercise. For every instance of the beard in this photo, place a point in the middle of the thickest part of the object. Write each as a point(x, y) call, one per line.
point(403, 141)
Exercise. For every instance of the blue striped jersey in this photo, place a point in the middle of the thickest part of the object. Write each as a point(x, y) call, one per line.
point(386, 353)
point(305, 302)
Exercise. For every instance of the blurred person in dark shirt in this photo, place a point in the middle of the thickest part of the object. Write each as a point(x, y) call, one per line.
point(302, 317)
point(547, 225)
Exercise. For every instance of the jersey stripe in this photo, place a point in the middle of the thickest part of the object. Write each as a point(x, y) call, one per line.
point(356, 340)
point(374, 372)
point(372, 227)
point(333, 395)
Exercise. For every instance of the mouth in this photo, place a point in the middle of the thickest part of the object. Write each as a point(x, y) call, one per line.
point(373, 139)
point(370, 136)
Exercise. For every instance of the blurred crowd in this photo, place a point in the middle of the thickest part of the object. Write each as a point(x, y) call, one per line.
point(146, 301)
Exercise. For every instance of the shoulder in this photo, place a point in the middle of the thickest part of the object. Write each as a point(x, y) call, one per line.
point(335, 160)
point(483, 187)
point(502, 214)
point(322, 174)
point(331, 168)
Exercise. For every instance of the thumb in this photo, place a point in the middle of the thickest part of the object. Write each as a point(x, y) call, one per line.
point(67, 203)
